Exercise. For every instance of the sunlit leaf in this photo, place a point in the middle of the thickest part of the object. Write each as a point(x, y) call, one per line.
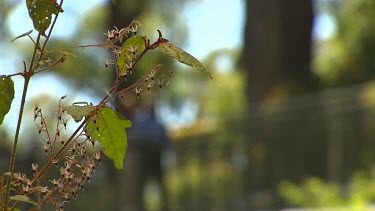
point(6, 95)
point(131, 48)
point(108, 128)
point(22, 198)
point(183, 57)
point(78, 112)
point(40, 12)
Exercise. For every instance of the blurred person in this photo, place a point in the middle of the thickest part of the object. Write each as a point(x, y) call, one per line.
point(147, 142)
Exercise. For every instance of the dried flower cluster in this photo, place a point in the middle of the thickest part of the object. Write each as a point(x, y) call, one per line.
point(41, 123)
point(117, 35)
point(74, 164)
point(151, 77)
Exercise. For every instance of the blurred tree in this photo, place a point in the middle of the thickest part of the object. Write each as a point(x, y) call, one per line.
point(348, 57)
point(276, 59)
point(4, 9)
point(344, 59)
point(277, 46)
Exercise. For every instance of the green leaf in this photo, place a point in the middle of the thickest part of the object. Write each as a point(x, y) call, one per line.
point(22, 198)
point(40, 11)
point(108, 128)
point(183, 57)
point(131, 48)
point(78, 112)
point(6, 95)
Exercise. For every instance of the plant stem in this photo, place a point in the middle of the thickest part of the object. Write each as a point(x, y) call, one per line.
point(27, 76)
point(50, 31)
point(13, 155)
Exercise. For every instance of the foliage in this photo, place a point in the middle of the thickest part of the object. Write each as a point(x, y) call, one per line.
point(74, 162)
point(6, 95)
point(41, 13)
point(347, 57)
point(315, 192)
point(182, 56)
point(107, 127)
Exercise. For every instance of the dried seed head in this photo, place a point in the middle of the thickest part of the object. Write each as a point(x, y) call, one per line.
point(63, 172)
point(44, 190)
point(34, 166)
point(92, 141)
point(28, 182)
point(97, 156)
point(26, 189)
point(64, 122)
point(46, 148)
point(137, 91)
point(58, 132)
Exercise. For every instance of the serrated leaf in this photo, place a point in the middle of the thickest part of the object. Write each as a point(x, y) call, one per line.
point(78, 112)
point(108, 128)
point(183, 57)
point(22, 198)
point(6, 95)
point(131, 48)
point(40, 12)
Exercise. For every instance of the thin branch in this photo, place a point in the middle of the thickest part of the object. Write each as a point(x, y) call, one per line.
point(77, 46)
point(50, 31)
point(15, 74)
point(61, 59)
point(36, 46)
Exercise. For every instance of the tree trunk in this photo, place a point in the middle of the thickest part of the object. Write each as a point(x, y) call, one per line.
point(276, 60)
point(277, 45)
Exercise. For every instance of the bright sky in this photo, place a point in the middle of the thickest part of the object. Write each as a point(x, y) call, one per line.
point(213, 24)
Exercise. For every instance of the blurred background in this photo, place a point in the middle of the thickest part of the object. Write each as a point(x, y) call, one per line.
point(287, 122)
